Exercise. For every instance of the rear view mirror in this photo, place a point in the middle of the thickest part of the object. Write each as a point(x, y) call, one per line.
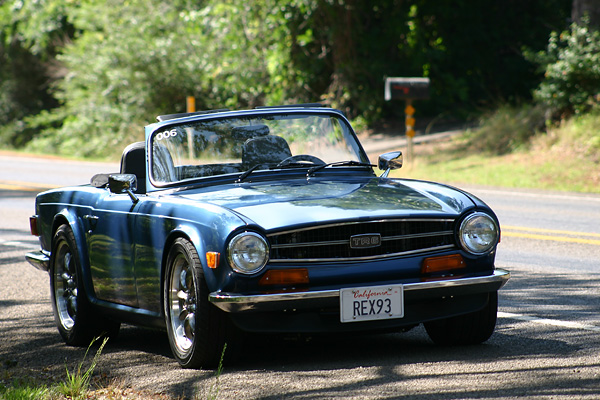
point(123, 183)
point(390, 161)
point(120, 183)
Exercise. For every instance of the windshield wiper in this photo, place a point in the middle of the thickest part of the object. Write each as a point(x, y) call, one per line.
point(350, 163)
point(293, 165)
point(247, 173)
point(311, 171)
point(251, 170)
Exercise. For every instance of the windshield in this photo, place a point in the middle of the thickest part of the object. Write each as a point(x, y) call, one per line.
point(212, 147)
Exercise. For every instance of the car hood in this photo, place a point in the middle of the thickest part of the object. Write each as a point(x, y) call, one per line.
point(274, 205)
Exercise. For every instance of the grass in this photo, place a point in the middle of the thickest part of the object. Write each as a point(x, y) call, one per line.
point(24, 391)
point(77, 385)
point(213, 392)
point(565, 158)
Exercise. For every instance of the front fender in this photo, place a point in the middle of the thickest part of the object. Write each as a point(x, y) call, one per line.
point(208, 240)
point(66, 216)
point(164, 219)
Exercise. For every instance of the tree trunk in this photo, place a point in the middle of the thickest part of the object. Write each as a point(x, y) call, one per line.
point(589, 7)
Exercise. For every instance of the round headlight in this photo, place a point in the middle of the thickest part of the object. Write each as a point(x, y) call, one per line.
point(478, 233)
point(248, 253)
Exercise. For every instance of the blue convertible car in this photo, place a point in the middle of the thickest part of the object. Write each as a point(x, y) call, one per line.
point(266, 220)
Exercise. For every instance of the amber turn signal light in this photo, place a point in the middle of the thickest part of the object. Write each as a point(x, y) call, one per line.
point(212, 259)
point(33, 226)
point(296, 276)
point(443, 263)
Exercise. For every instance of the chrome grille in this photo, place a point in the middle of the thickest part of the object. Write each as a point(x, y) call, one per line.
point(332, 242)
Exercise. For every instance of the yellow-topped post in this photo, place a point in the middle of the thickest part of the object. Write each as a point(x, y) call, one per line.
point(409, 111)
point(407, 89)
point(190, 103)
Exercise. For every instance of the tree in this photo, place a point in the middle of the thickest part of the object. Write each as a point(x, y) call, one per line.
point(591, 8)
point(30, 35)
point(571, 65)
point(122, 63)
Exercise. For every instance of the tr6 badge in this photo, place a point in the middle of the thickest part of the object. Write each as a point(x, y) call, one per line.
point(365, 241)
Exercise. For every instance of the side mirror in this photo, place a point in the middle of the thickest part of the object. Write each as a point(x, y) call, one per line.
point(390, 161)
point(123, 183)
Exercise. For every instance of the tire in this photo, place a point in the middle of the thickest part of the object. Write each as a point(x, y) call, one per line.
point(72, 311)
point(472, 328)
point(197, 330)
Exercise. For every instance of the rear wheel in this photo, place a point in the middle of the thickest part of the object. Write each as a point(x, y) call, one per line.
point(472, 328)
point(72, 310)
point(197, 329)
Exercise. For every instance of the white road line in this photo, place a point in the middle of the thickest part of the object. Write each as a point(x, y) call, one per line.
point(553, 322)
point(510, 192)
point(14, 243)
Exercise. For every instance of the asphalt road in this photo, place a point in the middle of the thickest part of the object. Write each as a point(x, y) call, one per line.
point(546, 345)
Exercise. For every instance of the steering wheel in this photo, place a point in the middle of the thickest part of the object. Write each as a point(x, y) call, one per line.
point(302, 158)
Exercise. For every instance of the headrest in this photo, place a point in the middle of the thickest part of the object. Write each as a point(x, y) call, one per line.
point(245, 132)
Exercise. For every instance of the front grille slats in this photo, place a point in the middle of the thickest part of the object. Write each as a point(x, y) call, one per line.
point(332, 242)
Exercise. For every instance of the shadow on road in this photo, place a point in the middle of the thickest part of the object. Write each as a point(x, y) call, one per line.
point(521, 359)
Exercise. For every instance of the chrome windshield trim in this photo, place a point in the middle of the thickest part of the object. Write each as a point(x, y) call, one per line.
point(366, 258)
point(263, 113)
point(239, 302)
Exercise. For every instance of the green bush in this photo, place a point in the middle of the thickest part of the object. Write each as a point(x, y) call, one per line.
point(507, 128)
point(581, 135)
point(120, 79)
point(109, 67)
point(572, 71)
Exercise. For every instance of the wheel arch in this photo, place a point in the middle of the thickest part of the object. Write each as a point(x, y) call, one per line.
point(194, 237)
point(64, 217)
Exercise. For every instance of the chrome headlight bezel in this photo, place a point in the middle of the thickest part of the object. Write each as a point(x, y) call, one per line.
point(478, 233)
point(248, 253)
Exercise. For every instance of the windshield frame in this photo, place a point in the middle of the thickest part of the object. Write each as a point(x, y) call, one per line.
point(349, 137)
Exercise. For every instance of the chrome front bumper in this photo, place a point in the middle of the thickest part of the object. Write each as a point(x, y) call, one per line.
point(234, 302)
point(39, 259)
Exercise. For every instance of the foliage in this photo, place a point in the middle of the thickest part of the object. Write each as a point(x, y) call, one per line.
point(30, 33)
point(213, 392)
point(471, 50)
point(108, 67)
point(572, 70)
point(580, 135)
point(158, 56)
point(566, 158)
point(75, 386)
point(24, 391)
point(77, 382)
point(38, 26)
point(506, 129)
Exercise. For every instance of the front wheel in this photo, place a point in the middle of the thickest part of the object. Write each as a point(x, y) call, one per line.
point(196, 328)
point(472, 328)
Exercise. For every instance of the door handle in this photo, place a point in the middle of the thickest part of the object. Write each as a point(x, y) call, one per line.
point(92, 221)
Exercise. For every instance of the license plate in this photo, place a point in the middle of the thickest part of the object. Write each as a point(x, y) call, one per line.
point(371, 303)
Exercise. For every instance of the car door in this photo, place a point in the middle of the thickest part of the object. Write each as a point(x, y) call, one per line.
point(111, 249)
